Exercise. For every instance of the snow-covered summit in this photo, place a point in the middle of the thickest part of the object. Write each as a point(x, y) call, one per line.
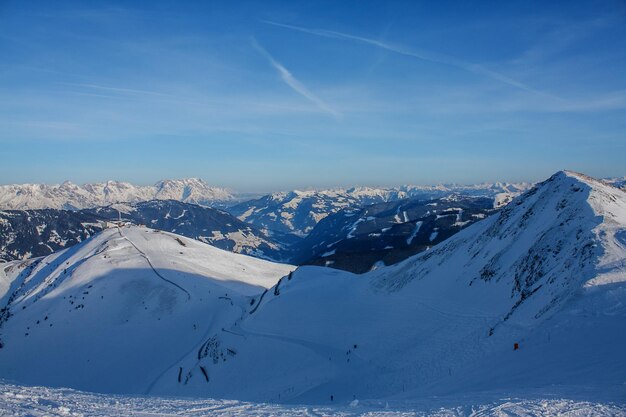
point(546, 274)
point(70, 196)
point(117, 310)
point(547, 242)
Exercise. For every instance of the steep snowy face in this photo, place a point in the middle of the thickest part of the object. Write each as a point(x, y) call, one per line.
point(299, 211)
point(539, 250)
point(546, 274)
point(501, 192)
point(117, 311)
point(70, 196)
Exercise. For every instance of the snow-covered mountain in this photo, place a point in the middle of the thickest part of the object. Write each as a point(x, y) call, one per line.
point(532, 297)
point(31, 233)
point(70, 196)
point(288, 212)
point(206, 224)
point(546, 274)
point(116, 311)
point(299, 211)
point(386, 233)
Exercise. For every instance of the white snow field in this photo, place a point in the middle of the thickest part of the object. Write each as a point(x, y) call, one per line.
point(529, 304)
point(18, 401)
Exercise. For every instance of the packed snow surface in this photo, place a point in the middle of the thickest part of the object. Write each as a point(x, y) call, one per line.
point(21, 401)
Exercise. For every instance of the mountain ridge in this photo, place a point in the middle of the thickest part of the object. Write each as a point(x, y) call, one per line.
point(552, 266)
point(299, 211)
point(70, 196)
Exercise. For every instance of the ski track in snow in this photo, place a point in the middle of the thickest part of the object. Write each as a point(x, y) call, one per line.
point(143, 254)
point(320, 349)
point(22, 401)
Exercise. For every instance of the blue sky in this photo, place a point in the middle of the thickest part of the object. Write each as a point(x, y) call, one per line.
point(262, 96)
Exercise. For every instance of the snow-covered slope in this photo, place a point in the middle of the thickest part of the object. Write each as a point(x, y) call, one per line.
point(117, 311)
point(299, 211)
point(28, 401)
point(72, 197)
point(547, 273)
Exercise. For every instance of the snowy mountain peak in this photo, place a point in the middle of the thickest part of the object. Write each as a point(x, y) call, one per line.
point(128, 304)
point(452, 319)
point(540, 249)
point(74, 197)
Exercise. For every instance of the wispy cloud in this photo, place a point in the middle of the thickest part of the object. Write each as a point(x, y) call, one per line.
point(292, 82)
point(120, 90)
point(419, 54)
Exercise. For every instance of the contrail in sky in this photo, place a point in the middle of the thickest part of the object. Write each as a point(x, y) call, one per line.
point(292, 82)
point(419, 54)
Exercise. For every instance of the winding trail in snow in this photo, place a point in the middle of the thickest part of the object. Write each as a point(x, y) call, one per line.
point(143, 254)
point(317, 348)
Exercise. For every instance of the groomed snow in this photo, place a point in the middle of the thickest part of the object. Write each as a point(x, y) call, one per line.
point(22, 401)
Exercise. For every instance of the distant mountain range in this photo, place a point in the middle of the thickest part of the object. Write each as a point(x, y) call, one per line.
point(68, 196)
point(299, 211)
point(31, 233)
point(353, 229)
point(294, 212)
point(386, 233)
point(270, 227)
